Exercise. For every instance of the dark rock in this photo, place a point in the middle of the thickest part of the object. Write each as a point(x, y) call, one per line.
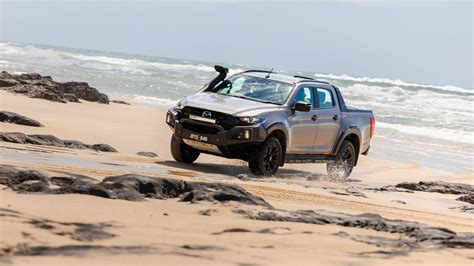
point(50, 140)
point(103, 147)
point(207, 212)
point(8, 82)
point(202, 247)
point(120, 102)
point(34, 85)
point(127, 187)
point(30, 76)
point(198, 191)
point(419, 234)
point(72, 250)
point(389, 188)
point(71, 98)
point(467, 209)
point(339, 193)
point(438, 187)
point(349, 192)
point(467, 198)
point(46, 95)
point(147, 154)
point(82, 90)
point(233, 230)
point(14, 118)
point(243, 177)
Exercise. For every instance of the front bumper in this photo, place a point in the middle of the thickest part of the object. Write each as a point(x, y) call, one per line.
point(214, 138)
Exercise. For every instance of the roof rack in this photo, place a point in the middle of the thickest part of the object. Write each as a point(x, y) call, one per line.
point(296, 76)
point(302, 77)
point(258, 70)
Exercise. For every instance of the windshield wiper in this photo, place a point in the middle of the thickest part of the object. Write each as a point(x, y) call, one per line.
point(250, 99)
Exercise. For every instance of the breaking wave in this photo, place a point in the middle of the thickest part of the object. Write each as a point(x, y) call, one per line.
point(396, 82)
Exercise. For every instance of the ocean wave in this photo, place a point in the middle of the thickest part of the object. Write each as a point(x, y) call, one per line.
point(141, 99)
point(136, 65)
point(141, 63)
point(395, 82)
point(435, 133)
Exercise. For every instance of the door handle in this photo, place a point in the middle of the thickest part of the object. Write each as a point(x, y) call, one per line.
point(335, 117)
point(314, 117)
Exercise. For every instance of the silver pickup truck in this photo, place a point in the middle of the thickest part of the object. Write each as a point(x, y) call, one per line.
point(269, 119)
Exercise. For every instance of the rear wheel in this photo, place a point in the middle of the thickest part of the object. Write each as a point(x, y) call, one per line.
point(182, 152)
point(267, 159)
point(344, 163)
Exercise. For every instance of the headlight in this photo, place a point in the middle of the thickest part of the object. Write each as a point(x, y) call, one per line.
point(178, 106)
point(251, 120)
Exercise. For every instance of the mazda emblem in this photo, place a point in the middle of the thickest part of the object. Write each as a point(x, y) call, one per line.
point(206, 114)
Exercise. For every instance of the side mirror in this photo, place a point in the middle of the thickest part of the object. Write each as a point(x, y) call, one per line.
point(302, 106)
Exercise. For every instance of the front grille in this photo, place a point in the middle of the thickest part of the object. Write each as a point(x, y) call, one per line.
point(225, 120)
point(200, 128)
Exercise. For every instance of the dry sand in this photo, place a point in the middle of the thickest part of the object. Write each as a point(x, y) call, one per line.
point(157, 231)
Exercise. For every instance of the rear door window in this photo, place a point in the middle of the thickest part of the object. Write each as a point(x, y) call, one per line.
point(325, 98)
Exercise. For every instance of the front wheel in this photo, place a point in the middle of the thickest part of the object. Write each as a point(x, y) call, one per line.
point(344, 163)
point(182, 152)
point(267, 159)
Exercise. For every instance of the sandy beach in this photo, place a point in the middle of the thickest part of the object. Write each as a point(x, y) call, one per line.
point(40, 228)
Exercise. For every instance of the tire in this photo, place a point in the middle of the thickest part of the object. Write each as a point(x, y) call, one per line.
point(342, 167)
point(181, 152)
point(267, 159)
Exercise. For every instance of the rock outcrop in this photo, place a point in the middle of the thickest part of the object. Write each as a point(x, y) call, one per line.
point(130, 187)
point(50, 140)
point(14, 118)
point(34, 85)
point(442, 187)
point(438, 187)
point(419, 235)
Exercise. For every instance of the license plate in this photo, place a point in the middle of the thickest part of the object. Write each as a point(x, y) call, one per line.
point(198, 137)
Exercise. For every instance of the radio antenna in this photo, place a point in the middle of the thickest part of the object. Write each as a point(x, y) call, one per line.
point(268, 75)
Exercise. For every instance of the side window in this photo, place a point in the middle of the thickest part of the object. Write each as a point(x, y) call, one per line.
point(305, 94)
point(325, 99)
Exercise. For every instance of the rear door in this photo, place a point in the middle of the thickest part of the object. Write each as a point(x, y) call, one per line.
point(328, 121)
point(302, 124)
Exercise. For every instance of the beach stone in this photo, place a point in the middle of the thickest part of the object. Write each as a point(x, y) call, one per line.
point(14, 118)
point(147, 154)
point(34, 85)
point(103, 147)
point(50, 140)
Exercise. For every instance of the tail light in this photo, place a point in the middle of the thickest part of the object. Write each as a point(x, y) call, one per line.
point(372, 126)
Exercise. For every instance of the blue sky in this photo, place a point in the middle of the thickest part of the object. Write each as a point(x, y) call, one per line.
point(417, 41)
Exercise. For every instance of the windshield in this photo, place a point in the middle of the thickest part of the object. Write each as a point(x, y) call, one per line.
point(255, 89)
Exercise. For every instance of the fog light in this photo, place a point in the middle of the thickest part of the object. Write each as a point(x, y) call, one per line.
point(170, 120)
point(247, 134)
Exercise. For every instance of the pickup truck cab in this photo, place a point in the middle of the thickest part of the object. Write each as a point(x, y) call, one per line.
point(269, 119)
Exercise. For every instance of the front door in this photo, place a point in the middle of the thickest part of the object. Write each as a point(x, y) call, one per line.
point(328, 122)
point(302, 124)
